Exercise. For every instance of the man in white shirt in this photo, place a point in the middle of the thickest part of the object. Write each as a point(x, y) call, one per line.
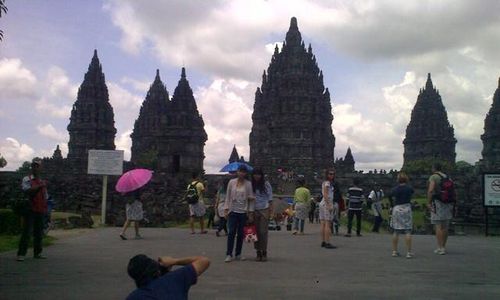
point(375, 197)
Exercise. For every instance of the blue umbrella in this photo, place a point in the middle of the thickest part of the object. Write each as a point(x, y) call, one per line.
point(234, 166)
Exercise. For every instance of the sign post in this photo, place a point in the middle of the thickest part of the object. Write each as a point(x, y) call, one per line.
point(105, 162)
point(104, 198)
point(491, 194)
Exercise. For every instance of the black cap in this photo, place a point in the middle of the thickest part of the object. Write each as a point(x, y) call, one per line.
point(142, 269)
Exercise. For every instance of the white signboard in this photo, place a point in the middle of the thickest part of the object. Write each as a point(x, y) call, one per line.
point(491, 188)
point(105, 162)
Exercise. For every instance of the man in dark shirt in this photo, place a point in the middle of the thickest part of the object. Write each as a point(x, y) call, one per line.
point(155, 281)
point(356, 197)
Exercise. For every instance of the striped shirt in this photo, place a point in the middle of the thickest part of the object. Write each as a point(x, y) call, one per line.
point(355, 195)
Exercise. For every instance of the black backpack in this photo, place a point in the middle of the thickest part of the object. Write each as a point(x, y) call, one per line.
point(447, 190)
point(192, 196)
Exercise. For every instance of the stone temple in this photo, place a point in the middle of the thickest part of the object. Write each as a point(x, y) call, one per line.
point(429, 135)
point(92, 124)
point(170, 130)
point(292, 118)
point(346, 164)
point(491, 136)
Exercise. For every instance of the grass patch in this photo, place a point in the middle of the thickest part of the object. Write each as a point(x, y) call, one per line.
point(11, 242)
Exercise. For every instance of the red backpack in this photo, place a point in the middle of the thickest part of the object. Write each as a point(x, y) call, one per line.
point(447, 190)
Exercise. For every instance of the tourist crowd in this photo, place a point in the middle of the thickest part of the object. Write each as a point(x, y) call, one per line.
point(244, 208)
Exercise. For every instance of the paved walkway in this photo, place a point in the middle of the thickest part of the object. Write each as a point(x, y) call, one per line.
point(93, 266)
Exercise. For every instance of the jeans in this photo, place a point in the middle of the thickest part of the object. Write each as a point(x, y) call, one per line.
point(235, 223)
point(298, 222)
point(222, 225)
point(376, 224)
point(350, 216)
point(32, 221)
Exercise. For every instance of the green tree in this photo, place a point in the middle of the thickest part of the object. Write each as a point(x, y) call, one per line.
point(424, 166)
point(3, 162)
point(464, 167)
point(25, 168)
point(3, 10)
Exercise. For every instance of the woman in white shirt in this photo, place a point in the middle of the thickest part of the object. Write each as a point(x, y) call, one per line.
point(238, 207)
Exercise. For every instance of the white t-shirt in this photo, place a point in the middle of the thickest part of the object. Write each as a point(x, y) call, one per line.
point(376, 196)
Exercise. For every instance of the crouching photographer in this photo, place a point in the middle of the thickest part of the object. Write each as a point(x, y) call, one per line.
point(155, 279)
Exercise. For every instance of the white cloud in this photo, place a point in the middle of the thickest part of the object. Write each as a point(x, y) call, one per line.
point(15, 152)
point(48, 130)
point(47, 107)
point(124, 142)
point(16, 81)
point(121, 98)
point(226, 107)
point(138, 85)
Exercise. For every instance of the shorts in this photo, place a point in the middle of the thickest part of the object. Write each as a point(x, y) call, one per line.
point(402, 231)
point(324, 213)
point(445, 224)
point(197, 210)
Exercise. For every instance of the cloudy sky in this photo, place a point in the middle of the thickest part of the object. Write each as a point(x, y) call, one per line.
point(375, 56)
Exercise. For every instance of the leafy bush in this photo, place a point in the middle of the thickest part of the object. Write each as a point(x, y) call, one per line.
point(10, 223)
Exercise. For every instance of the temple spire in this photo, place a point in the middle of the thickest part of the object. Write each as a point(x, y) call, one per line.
point(428, 84)
point(183, 73)
point(293, 36)
point(234, 157)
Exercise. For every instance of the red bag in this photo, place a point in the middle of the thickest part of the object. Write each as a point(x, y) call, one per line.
point(250, 232)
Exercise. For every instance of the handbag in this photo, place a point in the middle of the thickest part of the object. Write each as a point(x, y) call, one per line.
point(250, 233)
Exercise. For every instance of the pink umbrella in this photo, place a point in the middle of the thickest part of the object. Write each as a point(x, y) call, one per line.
point(133, 180)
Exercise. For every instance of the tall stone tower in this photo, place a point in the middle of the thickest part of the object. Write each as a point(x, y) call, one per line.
point(429, 135)
point(491, 136)
point(92, 124)
point(182, 150)
point(149, 128)
point(292, 118)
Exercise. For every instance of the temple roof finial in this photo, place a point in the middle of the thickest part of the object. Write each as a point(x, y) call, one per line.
point(293, 36)
point(293, 24)
point(183, 73)
point(428, 84)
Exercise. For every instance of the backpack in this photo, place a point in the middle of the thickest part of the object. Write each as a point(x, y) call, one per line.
point(192, 196)
point(447, 190)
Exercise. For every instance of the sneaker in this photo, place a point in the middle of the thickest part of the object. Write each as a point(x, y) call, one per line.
point(395, 254)
point(259, 256)
point(323, 244)
point(123, 237)
point(228, 259)
point(40, 256)
point(329, 246)
point(409, 255)
point(359, 235)
point(348, 235)
point(264, 256)
point(294, 233)
point(20, 258)
point(239, 258)
point(138, 237)
point(440, 251)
